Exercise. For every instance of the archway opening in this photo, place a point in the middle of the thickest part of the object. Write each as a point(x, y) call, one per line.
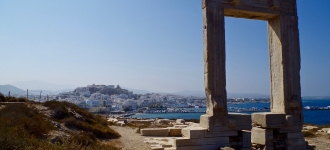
point(247, 65)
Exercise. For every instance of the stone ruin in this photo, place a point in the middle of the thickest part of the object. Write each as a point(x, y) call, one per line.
point(279, 129)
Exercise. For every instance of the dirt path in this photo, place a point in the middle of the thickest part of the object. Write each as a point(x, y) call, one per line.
point(321, 140)
point(129, 140)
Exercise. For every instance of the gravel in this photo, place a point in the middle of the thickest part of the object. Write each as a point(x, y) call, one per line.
point(130, 140)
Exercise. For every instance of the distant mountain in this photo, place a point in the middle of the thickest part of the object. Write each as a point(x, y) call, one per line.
point(4, 89)
point(35, 84)
point(49, 92)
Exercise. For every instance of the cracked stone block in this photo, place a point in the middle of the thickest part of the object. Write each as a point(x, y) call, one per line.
point(186, 142)
point(174, 131)
point(221, 134)
point(269, 120)
point(193, 132)
point(155, 132)
point(262, 136)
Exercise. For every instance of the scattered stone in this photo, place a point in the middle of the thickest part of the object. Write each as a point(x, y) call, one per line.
point(325, 130)
point(180, 121)
point(227, 148)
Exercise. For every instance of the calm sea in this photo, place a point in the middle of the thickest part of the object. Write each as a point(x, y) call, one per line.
point(318, 117)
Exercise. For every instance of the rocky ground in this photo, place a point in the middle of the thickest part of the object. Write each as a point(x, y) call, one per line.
point(320, 137)
point(129, 140)
point(322, 142)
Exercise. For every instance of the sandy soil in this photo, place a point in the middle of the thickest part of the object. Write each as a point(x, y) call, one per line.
point(321, 141)
point(129, 140)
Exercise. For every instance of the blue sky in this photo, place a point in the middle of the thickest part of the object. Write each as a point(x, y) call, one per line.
point(154, 45)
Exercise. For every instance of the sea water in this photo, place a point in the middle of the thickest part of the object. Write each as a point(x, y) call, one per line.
point(318, 117)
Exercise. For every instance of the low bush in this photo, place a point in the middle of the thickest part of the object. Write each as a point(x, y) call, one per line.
point(2, 98)
point(88, 116)
point(98, 130)
point(60, 111)
point(23, 117)
point(84, 138)
point(309, 133)
point(20, 125)
point(88, 122)
point(23, 127)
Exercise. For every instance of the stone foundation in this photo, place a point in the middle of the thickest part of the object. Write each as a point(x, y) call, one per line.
point(214, 133)
point(281, 128)
point(273, 131)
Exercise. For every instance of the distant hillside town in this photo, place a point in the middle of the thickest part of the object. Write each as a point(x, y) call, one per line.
point(106, 98)
point(111, 98)
point(114, 99)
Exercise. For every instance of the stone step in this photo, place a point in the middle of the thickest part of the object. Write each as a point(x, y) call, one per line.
point(155, 132)
point(193, 132)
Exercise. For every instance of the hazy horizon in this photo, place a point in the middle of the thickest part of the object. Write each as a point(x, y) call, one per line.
point(148, 45)
point(36, 85)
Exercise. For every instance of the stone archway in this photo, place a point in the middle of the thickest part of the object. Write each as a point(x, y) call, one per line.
point(284, 51)
point(278, 129)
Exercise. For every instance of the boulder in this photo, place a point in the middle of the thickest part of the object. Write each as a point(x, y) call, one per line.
point(325, 130)
point(180, 121)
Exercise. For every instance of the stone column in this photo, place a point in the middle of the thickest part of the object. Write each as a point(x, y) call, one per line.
point(214, 59)
point(284, 54)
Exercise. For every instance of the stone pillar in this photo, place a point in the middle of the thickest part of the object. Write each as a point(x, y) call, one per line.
point(284, 52)
point(214, 59)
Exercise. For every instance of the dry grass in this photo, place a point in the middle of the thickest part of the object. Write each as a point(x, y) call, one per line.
point(88, 122)
point(23, 127)
point(309, 133)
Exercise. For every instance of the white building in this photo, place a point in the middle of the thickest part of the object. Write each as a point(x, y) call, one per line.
point(92, 103)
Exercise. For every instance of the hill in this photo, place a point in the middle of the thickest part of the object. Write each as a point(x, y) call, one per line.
point(52, 125)
point(4, 89)
point(35, 84)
